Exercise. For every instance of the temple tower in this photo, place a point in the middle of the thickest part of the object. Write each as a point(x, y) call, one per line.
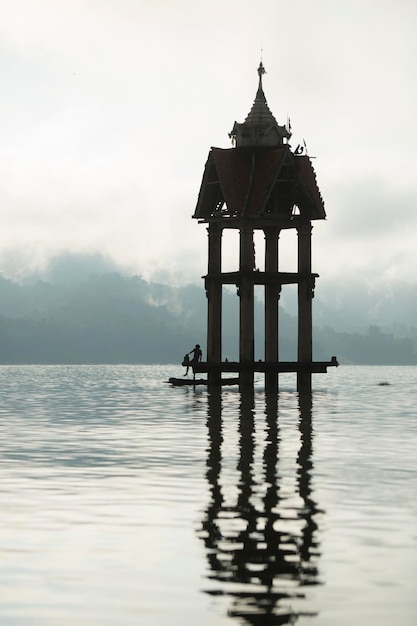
point(259, 184)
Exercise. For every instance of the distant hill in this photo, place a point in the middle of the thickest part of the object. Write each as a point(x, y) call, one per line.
point(112, 318)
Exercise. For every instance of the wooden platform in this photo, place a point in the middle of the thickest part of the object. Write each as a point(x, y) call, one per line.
point(318, 367)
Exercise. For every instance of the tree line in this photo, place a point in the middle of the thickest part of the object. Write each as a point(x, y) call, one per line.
point(112, 318)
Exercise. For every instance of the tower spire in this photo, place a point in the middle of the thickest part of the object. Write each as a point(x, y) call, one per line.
point(260, 127)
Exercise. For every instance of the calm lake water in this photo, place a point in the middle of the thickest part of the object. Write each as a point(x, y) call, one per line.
point(125, 501)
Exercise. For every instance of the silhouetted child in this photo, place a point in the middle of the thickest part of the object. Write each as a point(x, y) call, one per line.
point(186, 362)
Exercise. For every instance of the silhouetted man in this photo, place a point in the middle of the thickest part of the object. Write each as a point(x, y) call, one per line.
point(197, 356)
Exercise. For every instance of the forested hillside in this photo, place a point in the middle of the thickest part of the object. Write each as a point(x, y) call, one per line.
point(111, 318)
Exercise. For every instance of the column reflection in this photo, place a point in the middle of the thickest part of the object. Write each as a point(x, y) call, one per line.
point(260, 526)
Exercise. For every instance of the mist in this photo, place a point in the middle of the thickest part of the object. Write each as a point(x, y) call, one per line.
point(84, 308)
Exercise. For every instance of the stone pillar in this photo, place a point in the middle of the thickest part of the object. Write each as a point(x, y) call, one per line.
point(246, 304)
point(305, 295)
point(272, 290)
point(214, 296)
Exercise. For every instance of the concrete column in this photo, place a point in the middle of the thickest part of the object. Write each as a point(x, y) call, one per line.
point(246, 304)
point(271, 307)
point(214, 296)
point(305, 295)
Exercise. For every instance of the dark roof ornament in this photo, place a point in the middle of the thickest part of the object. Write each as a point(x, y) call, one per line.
point(260, 128)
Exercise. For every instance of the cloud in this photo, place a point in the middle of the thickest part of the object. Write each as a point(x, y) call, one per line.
point(109, 110)
point(69, 267)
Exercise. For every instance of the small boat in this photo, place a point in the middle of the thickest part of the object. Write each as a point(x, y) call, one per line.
point(178, 382)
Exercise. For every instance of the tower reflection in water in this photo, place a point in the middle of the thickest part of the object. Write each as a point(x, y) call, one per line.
point(260, 525)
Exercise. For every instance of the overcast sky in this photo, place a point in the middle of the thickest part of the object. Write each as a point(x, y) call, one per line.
point(108, 110)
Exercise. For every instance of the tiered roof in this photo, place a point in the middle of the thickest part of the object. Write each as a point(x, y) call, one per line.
point(261, 177)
